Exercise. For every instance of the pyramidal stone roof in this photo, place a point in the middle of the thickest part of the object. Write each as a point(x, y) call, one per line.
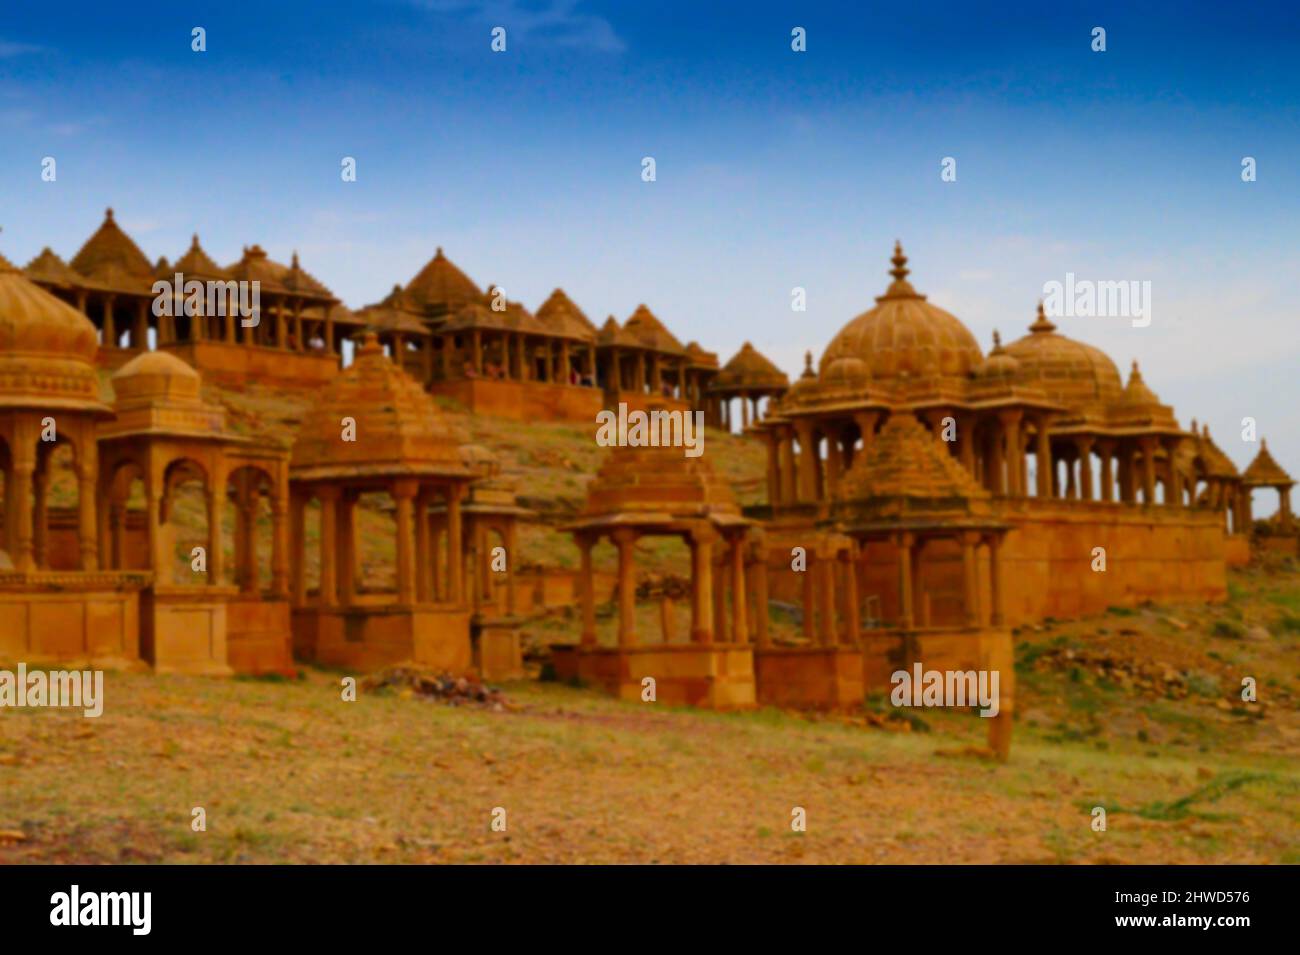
point(256, 266)
point(197, 263)
point(907, 461)
point(441, 283)
point(111, 260)
point(48, 269)
point(1264, 471)
point(645, 328)
point(400, 431)
point(748, 368)
point(647, 486)
point(562, 318)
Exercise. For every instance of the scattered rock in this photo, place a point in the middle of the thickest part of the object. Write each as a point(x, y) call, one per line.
point(410, 682)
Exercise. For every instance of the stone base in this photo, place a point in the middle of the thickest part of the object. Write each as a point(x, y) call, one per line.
point(72, 617)
point(979, 648)
point(259, 636)
point(524, 400)
point(367, 638)
point(183, 630)
point(498, 649)
point(809, 677)
point(717, 676)
point(1236, 550)
point(237, 364)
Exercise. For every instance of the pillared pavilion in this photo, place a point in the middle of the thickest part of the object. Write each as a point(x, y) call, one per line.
point(658, 491)
point(375, 430)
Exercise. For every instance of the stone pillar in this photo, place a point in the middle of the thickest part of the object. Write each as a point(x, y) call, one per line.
point(423, 576)
point(587, 595)
point(906, 616)
point(825, 568)
point(807, 490)
point(1105, 452)
point(625, 540)
point(998, 460)
point(758, 586)
point(997, 616)
point(1173, 481)
point(279, 548)
point(809, 597)
point(19, 539)
point(701, 543)
point(216, 501)
point(476, 351)
point(455, 558)
point(298, 535)
point(404, 494)
point(41, 510)
point(345, 547)
point(739, 623)
point(1147, 444)
point(852, 611)
point(833, 462)
point(328, 496)
point(1014, 452)
point(1083, 447)
point(1043, 449)
point(87, 516)
point(970, 578)
point(772, 440)
point(110, 329)
point(785, 452)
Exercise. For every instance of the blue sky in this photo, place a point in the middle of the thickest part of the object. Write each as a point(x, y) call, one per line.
point(774, 169)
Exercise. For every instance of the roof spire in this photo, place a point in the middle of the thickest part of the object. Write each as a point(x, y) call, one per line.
point(108, 214)
point(807, 365)
point(997, 341)
point(1042, 323)
point(900, 270)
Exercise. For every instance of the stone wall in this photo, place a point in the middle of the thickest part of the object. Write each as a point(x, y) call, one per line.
point(524, 400)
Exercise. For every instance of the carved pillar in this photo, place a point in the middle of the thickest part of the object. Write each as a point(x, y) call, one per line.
point(423, 555)
point(997, 614)
point(1147, 443)
point(807, 490)
point(1083, 447)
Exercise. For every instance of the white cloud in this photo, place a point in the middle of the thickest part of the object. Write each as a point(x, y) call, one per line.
point(544, 23)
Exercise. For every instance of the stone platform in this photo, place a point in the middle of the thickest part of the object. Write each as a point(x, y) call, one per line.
point(809, 677)
point(370, 637)
point(715, 676)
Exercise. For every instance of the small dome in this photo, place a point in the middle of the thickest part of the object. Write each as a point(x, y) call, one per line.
point(155, 375)
point(906, 336)
point(999, 365)
point(846, 370)
point(1068, 371)
point(47, 348)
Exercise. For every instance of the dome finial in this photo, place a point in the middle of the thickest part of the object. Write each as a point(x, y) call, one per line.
point(900, 270)
point(1042, 323)
point(108, 214)
point(997, 340)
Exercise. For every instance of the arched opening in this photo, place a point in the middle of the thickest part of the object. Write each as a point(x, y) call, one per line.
point(183, 525)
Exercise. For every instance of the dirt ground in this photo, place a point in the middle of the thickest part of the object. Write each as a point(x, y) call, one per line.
point(286, 771)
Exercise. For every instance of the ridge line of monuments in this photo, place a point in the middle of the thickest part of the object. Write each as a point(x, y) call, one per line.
point(921, 497)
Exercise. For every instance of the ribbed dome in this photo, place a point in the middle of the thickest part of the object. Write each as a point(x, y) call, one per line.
point(906, 336)
point(47, 348)
point(1069, 371)
point(399, 429)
